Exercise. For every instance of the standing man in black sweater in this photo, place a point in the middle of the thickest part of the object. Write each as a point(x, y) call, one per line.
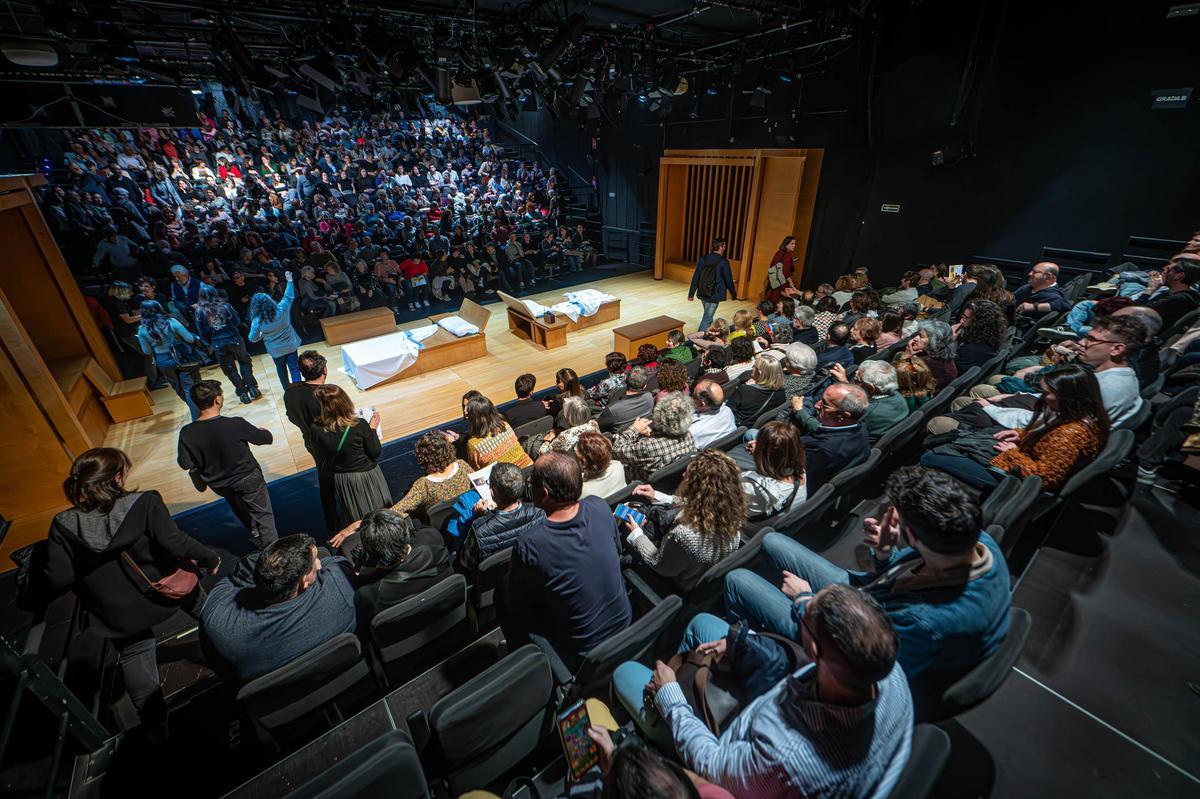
point(215, 451)
point(302, 410)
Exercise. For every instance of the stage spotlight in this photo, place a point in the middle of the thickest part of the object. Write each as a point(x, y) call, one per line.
point(578, 88)
point(712, 91)
point(548, 56)
point(502, 85)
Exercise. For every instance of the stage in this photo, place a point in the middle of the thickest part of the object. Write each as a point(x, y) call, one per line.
point(405, 405)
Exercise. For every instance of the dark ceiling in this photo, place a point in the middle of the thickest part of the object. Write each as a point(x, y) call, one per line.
point(260, 45)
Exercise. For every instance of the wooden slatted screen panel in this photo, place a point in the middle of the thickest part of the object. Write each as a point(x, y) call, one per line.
point(718, 196)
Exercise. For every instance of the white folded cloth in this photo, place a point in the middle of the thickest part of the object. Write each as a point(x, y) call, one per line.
point(458, 326)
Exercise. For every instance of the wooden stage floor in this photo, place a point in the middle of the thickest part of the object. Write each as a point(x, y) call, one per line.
point(406, 406)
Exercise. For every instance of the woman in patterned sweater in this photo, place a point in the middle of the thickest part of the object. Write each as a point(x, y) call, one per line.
point(706, 515)
point(1068, 428)
point(490, 438)
point(446, 477)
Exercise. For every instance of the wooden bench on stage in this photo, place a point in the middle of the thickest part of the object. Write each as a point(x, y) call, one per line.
point(628, 338)
point(443, 348)
point(551, 335)
point(358, 325)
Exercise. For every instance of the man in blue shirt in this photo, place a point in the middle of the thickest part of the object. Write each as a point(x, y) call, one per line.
point(565, 586)
point(296, 602)
point(943, 582)
point(840, 725)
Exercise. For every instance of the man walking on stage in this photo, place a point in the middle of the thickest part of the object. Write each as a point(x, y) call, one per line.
point(215, 450)
point(712, 280)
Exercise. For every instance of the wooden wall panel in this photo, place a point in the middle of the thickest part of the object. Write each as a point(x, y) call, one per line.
point(27, 281)
point(751, 197)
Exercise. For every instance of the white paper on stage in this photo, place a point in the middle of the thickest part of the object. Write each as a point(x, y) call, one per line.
point(458, 326)
point(373, 360)
point(419, 334)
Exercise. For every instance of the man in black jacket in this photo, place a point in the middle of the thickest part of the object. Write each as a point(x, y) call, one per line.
point(712, 282)
point(394, 561)
point(498, 522)
point(302, 410)
point(215, 451)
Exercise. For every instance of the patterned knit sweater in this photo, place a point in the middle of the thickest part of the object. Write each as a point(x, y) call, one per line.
point(426, 493)
point(1055, 456)
point(684, 554)
point(502, 446)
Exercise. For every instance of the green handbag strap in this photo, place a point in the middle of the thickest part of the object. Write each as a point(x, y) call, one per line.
point(345, 433)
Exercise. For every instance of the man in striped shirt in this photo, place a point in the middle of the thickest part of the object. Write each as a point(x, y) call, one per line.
point(839, 726)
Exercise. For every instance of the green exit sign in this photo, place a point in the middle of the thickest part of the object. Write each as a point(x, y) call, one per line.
point(891, 208)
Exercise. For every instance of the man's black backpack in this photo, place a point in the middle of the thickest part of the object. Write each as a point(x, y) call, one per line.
point(707, 284)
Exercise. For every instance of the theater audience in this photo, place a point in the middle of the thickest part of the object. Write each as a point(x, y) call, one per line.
point(602, 476)
point(712, 365)
point(1180, 276)
point(633, 402)
point(615, 363)
point(981, 332)
point(677, 348)
point(934, 344)
point(394, 560)
point(446, 477)
point(741, 358)
point(839, 725)
point(295, 602)
point(943, 582)
point(763, 390)
point(490, 439)
point(1068, 428)
point(576, 419)
point(1041, 293)
point(350, 446)
point(697, 527)
point(916, 381)
point(564, 587)
point(886, 408)
point(496, 524)
point(835, 438)
point(835, 349)
point(106, 548)
point(713, 418)
point(772, 470)
point(526, 409)
point(863, 335)
point(650, 444)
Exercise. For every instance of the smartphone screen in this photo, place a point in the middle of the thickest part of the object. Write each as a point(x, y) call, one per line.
point(580, 750)
point(623, 511)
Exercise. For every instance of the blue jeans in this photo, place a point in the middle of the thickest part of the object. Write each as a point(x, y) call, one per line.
point(710, 310)
point(630, 679)
point(415, 294)
point(971, 472)
point(572, 262)
point(180, 379)
point(750, 598)
point(284, 364)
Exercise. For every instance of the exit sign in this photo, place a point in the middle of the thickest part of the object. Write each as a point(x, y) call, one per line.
point(890, 208)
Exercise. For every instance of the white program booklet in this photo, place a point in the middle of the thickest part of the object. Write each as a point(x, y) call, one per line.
point(367, 413)
point(480, 479)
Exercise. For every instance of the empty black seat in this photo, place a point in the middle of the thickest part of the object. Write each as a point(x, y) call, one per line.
point(930, 753)
point(386, 766)
point(303, 688)
point(986, 678)
point(405, 634)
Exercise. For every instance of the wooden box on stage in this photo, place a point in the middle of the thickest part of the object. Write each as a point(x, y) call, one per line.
point(444, 349)
point(551, 335)
point(358, 325)
point(628, 338)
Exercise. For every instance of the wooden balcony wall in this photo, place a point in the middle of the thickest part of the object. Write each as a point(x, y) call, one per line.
point(751, 197)
point(51, 412)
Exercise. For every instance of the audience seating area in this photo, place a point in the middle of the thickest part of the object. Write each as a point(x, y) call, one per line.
point(479, 715)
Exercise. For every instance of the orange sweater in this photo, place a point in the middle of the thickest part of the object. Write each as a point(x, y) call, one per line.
point(1055, 456)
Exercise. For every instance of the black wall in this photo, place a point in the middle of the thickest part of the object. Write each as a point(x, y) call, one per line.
point(1066, 149)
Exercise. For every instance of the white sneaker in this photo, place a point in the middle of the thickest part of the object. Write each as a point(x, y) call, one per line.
point(425, 303)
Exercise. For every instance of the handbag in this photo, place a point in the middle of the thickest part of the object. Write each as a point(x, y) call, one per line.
point(185, 354)
point(176, 585)
point(696, 673)
point(775, 278)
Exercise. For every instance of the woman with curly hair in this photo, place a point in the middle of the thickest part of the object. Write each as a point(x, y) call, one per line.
point(446, 477)
point(703, 522)
point(990, 285)
point(672, 376)
point(981, 332)
point(934, 344)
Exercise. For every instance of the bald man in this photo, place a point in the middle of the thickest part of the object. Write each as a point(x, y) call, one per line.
point(713, 418)
point(836, 438)
point(1041, 294)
